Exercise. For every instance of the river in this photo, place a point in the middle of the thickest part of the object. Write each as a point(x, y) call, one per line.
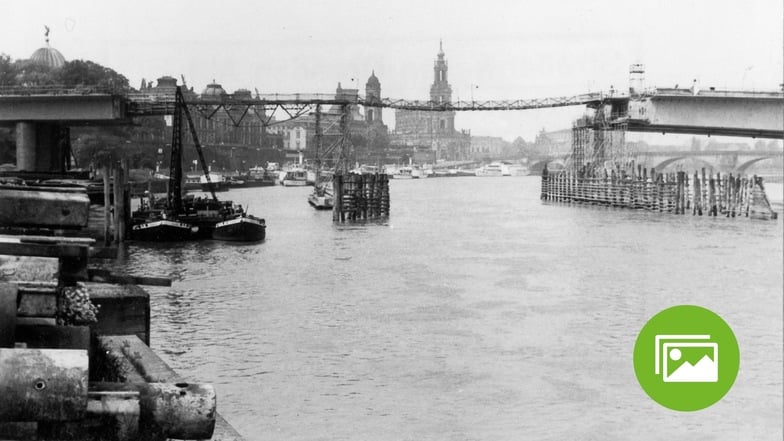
point(476, 312)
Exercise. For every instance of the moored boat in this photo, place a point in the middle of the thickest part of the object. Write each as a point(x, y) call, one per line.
point(242, 227)
point(494, 169)
point(154, 222)
point(219, 183)
point(295, 178)
point(403, 173)
point(163, 230)
point(322, 197)
point(259, 177)
point(192, 182)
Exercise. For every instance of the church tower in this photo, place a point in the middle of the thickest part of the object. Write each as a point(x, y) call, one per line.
point(373, 94)
point(440, 91)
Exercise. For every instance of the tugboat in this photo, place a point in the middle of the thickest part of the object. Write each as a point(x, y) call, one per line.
point(322, 197)
point(242, 227)
point(221, 220)
point(153, 223)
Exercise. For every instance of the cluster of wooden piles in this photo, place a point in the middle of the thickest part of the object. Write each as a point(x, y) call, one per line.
point(678, 193)
point(360, 196)
point(74, 356)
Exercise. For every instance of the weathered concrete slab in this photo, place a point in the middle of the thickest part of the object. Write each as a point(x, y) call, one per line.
point(122, 309)
point(709, 112)
point(43, 384)
point(43, 207)
point(28, 269)
point(38, 303)
point(62, 108)
point(8, 297)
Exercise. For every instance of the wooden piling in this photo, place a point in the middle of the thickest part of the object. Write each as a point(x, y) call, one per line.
point(675, 192)
point(106, 206)
point(363, 196)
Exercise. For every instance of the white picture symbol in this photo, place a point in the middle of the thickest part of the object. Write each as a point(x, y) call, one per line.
point(686, 359)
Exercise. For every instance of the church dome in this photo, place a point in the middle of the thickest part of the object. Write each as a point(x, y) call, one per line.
point(48, 56)
point(213, 89)
point(373, 81)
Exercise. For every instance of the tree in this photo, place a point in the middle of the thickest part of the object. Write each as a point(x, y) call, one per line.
point(86, 73)
point(27, 73)
point(7, 71)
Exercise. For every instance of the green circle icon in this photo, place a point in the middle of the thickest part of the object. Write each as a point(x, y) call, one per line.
point(686, 358)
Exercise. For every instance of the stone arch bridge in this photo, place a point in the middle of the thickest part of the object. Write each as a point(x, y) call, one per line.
point(726, 161)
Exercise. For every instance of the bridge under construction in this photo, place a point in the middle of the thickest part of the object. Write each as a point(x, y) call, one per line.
point(42, 115)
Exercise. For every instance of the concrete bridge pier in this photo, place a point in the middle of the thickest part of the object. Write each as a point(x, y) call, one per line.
point(41, 146)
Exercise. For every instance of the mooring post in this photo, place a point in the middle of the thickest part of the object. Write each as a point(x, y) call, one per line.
point(696, 196)
point(121, 218)
point(719, 195)
point(107, 213)
point(117, 198)
point(337, 203)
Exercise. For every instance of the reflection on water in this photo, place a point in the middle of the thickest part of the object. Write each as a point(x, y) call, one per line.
point(477, 312)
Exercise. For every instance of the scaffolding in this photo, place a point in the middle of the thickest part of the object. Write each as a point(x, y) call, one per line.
point(599, 143)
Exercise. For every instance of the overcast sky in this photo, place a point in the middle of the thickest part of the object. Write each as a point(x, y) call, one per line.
point(504, 49)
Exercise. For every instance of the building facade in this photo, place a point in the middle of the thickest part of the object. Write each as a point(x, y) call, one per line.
point(489, 147)
point(433, 132)
point(367, 130)
point(226, 145)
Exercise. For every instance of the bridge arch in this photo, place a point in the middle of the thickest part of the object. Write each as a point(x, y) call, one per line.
point(743, 167)
point(553, 164)
point(662, 165)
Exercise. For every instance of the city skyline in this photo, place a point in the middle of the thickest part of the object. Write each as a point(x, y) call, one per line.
point(504, 50)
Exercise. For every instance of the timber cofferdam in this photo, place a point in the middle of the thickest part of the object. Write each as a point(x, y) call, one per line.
point(676, 193)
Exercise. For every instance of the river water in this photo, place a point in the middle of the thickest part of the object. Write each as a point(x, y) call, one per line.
point(476, 312)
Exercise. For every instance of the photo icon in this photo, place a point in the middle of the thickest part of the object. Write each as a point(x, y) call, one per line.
point(686, 359)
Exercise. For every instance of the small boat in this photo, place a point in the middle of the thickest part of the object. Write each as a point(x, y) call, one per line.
point(322, 197)
point(465, 172)
point(259, 177)
point(242, 227)
point(235, 182)
point(295, 178)
point(512, 169)
point(219, 183)
point(192, 182)
point(494, 169)
point(404, 173)
point(362, 169)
